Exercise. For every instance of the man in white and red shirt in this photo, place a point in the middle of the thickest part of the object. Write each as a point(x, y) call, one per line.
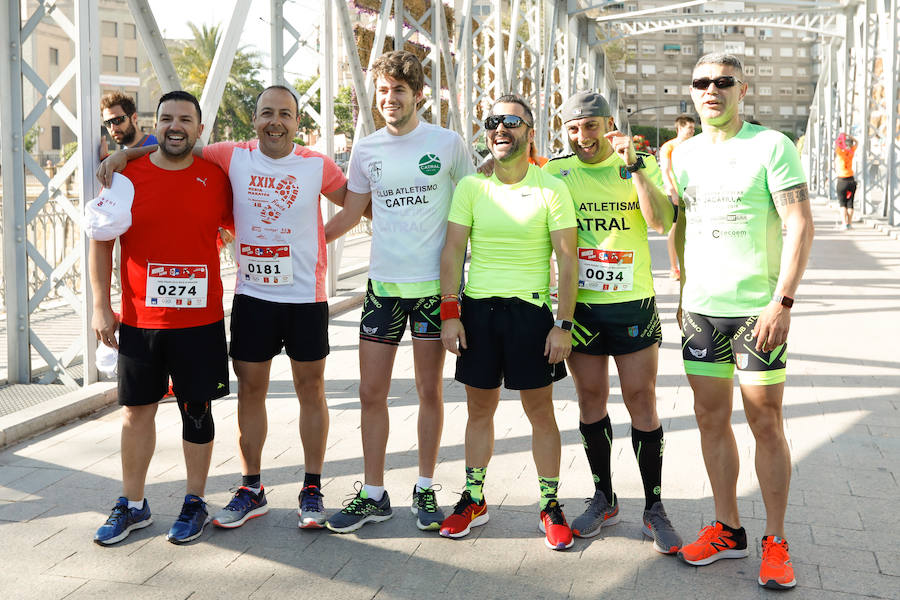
point(279, 297)
point(166, 210)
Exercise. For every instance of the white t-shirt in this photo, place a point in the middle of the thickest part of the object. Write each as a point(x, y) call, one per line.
point(280, 239)
point(411, 178)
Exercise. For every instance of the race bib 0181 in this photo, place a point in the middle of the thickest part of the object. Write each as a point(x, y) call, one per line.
point(266, 265)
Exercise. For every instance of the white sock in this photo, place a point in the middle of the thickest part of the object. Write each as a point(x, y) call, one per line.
point(424, 483)
point(375, 492)
point(139, 504)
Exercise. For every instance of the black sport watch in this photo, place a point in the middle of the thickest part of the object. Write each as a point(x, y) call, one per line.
point(564, 325)
point(636, 165)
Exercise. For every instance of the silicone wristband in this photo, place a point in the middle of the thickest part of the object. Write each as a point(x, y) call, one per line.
point(449, 310)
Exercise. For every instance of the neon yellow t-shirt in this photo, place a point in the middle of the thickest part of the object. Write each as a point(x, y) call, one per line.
point(510, 233)
point(613, 254)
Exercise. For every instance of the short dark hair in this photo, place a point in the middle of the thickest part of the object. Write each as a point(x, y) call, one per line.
point(118, 99)
point(183, 96)
point(401, 65)
point(278, 87)
point(515, 99)
point(683, 120)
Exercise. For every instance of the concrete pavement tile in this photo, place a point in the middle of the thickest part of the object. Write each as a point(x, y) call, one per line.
point(849, 538)
point(878, 483)
point(856, 582)
point(829, 499)
point(33, 482)
point(44, 587)
point(879, 514)
point(468, 584)
point(112, 564)
point(298, 584)
point(888, 562)
point(25, 509)
point(107, 589)
point(860, 559)
point(493, 555)
point(812, 515)
point(9, 474)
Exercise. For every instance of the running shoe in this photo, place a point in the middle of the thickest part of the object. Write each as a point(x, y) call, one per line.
point(553, 524)
point(658, 527)
point(122, 521)
point(360, 510)
point(599, 514)
point(190, 523)
point(776, 571)
point(312, 509)
point(713, 543)
point(425, 507)
point(466, 514)
point(245, 505)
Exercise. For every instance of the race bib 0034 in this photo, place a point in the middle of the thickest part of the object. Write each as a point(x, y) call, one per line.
point(177, 285)
point(605, 270)
point(266, 265)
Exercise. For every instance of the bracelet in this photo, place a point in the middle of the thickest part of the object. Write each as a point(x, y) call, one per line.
point(449, 310)
point(450, 296)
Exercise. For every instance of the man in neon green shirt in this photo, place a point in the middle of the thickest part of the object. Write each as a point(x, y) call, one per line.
point(617, 193)
point(738, 182)
point(514, 219)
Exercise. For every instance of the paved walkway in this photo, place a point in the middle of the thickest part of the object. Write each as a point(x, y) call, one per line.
point(842, 412)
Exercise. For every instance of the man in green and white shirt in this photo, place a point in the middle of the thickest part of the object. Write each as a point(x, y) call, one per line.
point(407, 171)
point(738, 183)
point(617, 193)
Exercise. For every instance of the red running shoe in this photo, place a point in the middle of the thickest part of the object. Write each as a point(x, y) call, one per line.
point(776, 571)
point(553, 524)
point(713, 543)
point(466, 514)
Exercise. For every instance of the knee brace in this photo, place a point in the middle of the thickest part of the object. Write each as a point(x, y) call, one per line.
point(196, 422)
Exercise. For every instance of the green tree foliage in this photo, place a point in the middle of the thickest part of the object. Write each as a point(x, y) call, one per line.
point(193, 61)
point(343, 108)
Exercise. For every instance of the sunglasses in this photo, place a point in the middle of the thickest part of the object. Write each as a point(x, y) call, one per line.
point(115, 121)
point(722, 83)
point(509, 122)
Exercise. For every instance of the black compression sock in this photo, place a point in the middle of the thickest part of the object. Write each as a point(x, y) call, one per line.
point(597, 441)
point(648, 448)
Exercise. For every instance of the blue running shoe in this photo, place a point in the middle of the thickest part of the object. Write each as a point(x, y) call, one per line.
point(312, 509)
point(190, 523)
point(244, 506)
point(122, 521)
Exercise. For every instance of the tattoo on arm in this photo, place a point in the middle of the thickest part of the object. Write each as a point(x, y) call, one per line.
point(792, 195)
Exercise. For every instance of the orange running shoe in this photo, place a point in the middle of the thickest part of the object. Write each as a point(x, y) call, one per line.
point(466, 514)
point(714, 542)
point(776, 571)
point(553, 524)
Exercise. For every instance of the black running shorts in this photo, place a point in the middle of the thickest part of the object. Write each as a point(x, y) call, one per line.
point(195, 357)
point(260, 329)
point(846, 191)
point(505, 339)
point(615, 329)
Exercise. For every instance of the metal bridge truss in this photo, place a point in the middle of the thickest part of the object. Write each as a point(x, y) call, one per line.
point(541, 49)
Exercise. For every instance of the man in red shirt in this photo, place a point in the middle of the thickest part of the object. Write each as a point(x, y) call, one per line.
point(166, 209)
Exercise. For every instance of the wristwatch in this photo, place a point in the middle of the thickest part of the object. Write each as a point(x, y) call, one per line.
point(785, 301)
point(564, 325)
point(636, 165)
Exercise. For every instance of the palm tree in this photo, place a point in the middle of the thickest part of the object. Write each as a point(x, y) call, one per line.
point(192, 63)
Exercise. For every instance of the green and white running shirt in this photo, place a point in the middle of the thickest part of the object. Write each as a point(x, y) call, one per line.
point(510, 233)
point(613, 254)
point(732, 250)
point(411, 180)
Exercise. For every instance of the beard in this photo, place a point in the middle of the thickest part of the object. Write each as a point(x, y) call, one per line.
point(513, 150)
point(175, 154)
point(129, 136)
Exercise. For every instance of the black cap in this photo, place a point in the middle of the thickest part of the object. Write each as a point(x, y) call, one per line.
point(584, 104)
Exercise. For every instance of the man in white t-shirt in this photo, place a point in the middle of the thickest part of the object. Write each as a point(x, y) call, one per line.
point(407, 170)
point(279, 297)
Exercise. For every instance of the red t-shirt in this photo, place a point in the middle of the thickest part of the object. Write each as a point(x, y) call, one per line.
point(171, 244)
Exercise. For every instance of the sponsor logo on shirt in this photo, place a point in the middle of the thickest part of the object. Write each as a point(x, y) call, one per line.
point(633, 331)
point(203, 181)
point(742, 359)
point(375, 171)
point(272, 195)
point(623, 173)
point(564, 172)
point(430, 164)
point(420, 327)
point(369, 330)
point(698, 353)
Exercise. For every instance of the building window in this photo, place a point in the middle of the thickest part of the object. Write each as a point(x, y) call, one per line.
point(620, 67)
point(802, 109)
point(631, 88)
point(670, 69)
point(766, 70)
point(786, 72)
point(687, 50)
point(802, 91)
point(55, 141)
point(803, 52)
point(109, 63)
point(802, 72)
point(109, 29)
point(648, 49)
point(54, 56)
point(765, 109)
point(631, 48)
point(786, 91)
point(749, 108)
point(765, 90)
point(786, 110)
point(671, 109)
point(749, 50)
point(786, 52)
point(750, 70)
point(131, 64)
point(648, 89)
point(671, 90)
point(631, 68)
point(129, 31)
point(648, 69)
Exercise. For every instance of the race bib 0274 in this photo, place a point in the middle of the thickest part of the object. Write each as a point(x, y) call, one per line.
point(177, 285)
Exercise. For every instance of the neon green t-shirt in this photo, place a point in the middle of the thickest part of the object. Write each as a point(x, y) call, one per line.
point(613, 254)
point(510, 233)
point(732, 250)
point(406, 289)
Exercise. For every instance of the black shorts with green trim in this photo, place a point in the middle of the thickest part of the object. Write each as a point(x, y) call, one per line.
point(505, 339)
point(616, 329)
point(714, 346)
point(384, 318)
